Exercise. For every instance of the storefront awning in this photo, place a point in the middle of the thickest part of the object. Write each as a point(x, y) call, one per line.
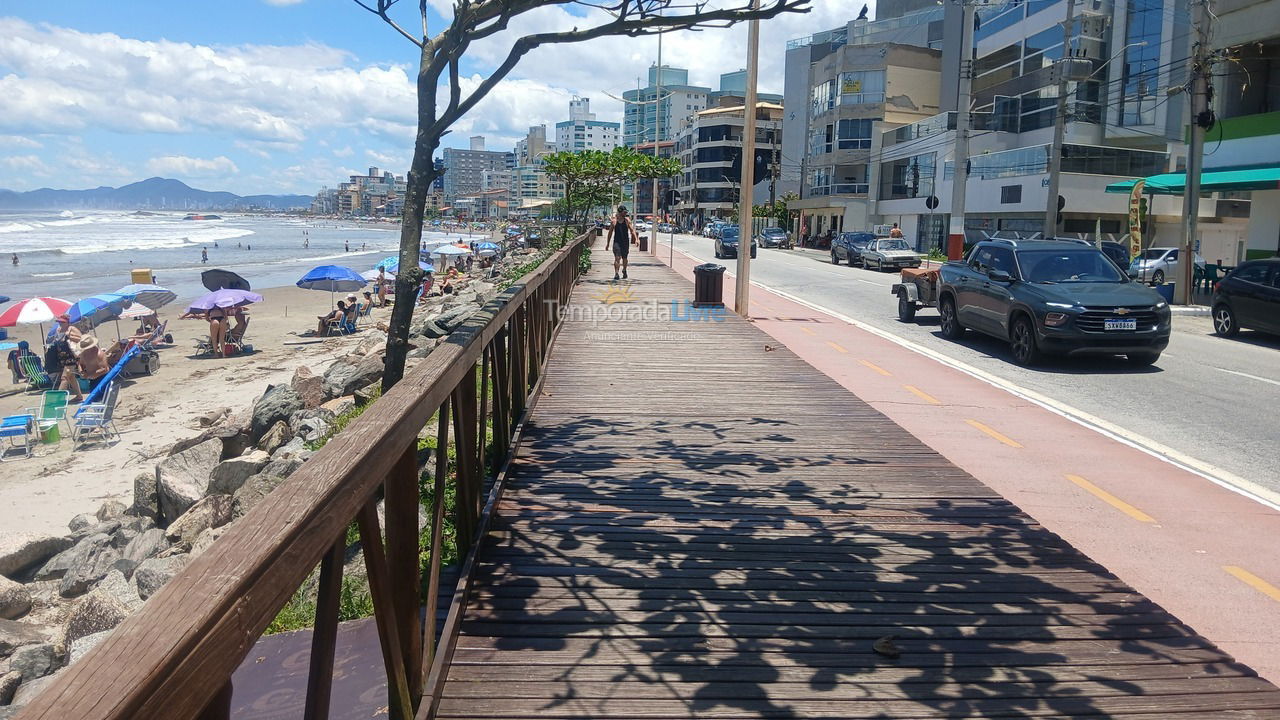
point(1175, 183)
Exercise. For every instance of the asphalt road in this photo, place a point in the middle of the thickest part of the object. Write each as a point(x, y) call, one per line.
point(1212, 399)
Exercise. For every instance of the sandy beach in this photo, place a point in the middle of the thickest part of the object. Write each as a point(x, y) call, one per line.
point(42, 493)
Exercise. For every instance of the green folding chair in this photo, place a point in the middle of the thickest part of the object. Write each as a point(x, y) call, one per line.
point(52, 410)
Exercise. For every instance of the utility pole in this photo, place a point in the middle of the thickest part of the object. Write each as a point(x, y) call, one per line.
point(1201, 118)
point(959, 178)
point(742, 295)
point(657, 142)
point(1059, 126)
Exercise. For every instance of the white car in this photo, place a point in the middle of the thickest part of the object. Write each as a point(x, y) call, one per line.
point(892, 253)
point(1156, 265)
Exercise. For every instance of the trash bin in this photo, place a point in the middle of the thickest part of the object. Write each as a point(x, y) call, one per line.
point(1166, 291)
point(708, 285)
point(50, 435)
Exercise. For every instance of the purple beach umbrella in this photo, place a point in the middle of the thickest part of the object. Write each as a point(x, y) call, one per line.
point(224, 298)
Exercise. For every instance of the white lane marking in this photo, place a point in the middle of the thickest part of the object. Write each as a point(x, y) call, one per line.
point(1216, 475)
point(1247, 375)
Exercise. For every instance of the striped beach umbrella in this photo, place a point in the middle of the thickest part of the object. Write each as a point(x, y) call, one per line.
point(33, 311)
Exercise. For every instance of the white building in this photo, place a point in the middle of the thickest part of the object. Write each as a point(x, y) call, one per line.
point(582, 131)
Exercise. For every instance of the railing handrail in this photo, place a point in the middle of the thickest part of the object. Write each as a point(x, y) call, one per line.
point(173, 657)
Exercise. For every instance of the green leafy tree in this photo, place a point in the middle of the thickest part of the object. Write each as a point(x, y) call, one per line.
point(592, 178)
point(445, 95)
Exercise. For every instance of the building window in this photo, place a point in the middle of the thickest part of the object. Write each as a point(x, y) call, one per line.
point(864, 86)
point(1010, 194)
point(823, 98)
point(854, 134)
point(1141, 64)
point(910, 177)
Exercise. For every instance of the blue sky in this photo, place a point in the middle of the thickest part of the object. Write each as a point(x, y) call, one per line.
point(288, 95)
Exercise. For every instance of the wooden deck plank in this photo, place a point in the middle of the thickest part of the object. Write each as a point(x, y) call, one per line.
point(696, 526)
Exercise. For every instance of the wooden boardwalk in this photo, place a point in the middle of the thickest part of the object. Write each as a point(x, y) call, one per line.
point(699, 524)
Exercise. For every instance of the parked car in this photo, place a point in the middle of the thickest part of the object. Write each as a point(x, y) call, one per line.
point(712, 228)
point(1050, 296)
point(726, 242)
point(1156, 265)
point(667, 228)
point(774, 237)
point(892, 253)
point(1248, 297)
point(848, 247)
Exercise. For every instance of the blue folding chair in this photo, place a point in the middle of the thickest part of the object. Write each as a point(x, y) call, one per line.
point(20, 430)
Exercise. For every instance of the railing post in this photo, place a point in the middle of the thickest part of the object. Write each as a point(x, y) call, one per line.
point(482, 430)
point(324, 637)
point(384, 612)
point(501, 397)
point(400, 497)
point(439, 488)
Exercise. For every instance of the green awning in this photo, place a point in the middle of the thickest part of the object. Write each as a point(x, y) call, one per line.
point(1175, 183)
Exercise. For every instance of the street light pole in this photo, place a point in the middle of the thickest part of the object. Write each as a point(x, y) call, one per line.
point(960, 177)
point(1059, 126)
point(742, 294)
point(657, 141)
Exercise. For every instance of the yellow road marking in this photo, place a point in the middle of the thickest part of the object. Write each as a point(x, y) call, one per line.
point(875, 367)
point(998, 436)
point(1254, 581)
point(922, 394)
point(1111, 500)
point(836, 347)
point(805, 329)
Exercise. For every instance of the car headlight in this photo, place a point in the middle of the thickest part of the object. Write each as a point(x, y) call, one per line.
point(1056, 319)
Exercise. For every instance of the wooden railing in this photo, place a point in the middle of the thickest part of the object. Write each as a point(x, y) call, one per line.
point(173, 660)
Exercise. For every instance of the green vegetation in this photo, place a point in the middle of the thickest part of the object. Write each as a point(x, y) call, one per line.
point(354, 602)
point(593, 179)
point(342, 420)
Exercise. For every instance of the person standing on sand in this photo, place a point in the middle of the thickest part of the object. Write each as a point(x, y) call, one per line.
point(204, 255)
point(346, 246)
point(382, 287)
point(622, 232)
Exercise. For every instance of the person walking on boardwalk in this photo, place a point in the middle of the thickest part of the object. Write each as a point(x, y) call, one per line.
point(622, 232)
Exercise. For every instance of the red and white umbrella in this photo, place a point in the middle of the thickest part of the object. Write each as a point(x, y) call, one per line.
point(33, 311)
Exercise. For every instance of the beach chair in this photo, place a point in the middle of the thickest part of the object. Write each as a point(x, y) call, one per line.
point(20, 431)
point(52, 410)
point(366, 312)
point(37, 378)
point(337, 325)
point(95, 419)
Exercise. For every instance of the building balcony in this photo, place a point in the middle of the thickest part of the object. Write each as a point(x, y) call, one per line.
point(852, 189)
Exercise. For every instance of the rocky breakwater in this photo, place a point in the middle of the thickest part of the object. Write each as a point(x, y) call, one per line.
point(62, 595)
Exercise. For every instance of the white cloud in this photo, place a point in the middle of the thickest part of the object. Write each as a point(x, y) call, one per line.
point(25, 163)
point(344, 152)
point(181, 165)
point(8, 142)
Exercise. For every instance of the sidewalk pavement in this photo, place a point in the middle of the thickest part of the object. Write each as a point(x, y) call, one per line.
point(1205, 552)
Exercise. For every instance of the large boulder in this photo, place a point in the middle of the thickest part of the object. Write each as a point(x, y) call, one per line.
point(111, 510)
point(19, 551)
point(344, 377)
point(146, 496)
point(429, 329)
point(33, 661)
point(15, 599)
point(14, 634)
point(308, 386)
point(94, 613)
point(252, 492)
point(148, 543)
point(230, 474)
point(337, 406)
point(211, 512)
point(81, 646)
point(81, 522)
point(87, 563)
point(183, 479)
point(9, 683)
point(153, 573)
point(310, 425)
point(29, 690)
point(119, 589)
point(276, 404)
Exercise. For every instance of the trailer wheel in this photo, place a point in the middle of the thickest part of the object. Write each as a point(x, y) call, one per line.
point(906, 308)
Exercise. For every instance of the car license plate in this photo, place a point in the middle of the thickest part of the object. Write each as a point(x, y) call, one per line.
point(1121, 324)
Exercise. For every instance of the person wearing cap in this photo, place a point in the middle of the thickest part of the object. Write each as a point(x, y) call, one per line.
point(92, 363)
point(63, 330)
point(61, 347)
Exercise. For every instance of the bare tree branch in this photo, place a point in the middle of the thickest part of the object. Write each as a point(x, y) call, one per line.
point(383, 7)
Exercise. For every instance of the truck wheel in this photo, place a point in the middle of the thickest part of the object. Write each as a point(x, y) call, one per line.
point(1022, 340)
point(906, 308)
point(951, 327)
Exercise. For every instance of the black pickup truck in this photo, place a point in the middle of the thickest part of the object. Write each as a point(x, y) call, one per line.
point(1047, 296)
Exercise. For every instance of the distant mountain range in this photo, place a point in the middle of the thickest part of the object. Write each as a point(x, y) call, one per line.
point(151, 194)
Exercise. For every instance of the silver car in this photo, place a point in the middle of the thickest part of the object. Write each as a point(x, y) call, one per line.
point(889, 253)
point(1155, 265)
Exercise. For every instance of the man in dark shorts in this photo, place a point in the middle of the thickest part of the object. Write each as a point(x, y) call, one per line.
point(622, 232)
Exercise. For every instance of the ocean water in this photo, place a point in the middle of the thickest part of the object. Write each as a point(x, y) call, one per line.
point(74, 254)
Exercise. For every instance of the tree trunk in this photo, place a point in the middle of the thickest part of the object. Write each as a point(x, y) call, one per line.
point(422, 172)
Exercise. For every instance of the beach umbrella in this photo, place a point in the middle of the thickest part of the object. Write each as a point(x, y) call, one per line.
point(224, 298)
point(33, 311)
point(386, 263)
point(334, 278)
point(426, 267)
point(452, 250)
point(147, 298)
point(372, 275)
point(88, 313)
point(219, 279)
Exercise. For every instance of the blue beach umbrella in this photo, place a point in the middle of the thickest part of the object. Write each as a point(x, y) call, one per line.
point(94, 310)
point(152, 297)
point(426, 267)
point(388, 262)
point(334, 278)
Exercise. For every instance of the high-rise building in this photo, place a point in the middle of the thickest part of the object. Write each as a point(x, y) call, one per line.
point(644, 107)
point(464, 168)
point(534, 146)
point(708, 147)
point(582, 131)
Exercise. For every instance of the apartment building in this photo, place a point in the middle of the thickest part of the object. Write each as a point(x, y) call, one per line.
point(464, 168)
point(582, 131)
point(708, 146)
